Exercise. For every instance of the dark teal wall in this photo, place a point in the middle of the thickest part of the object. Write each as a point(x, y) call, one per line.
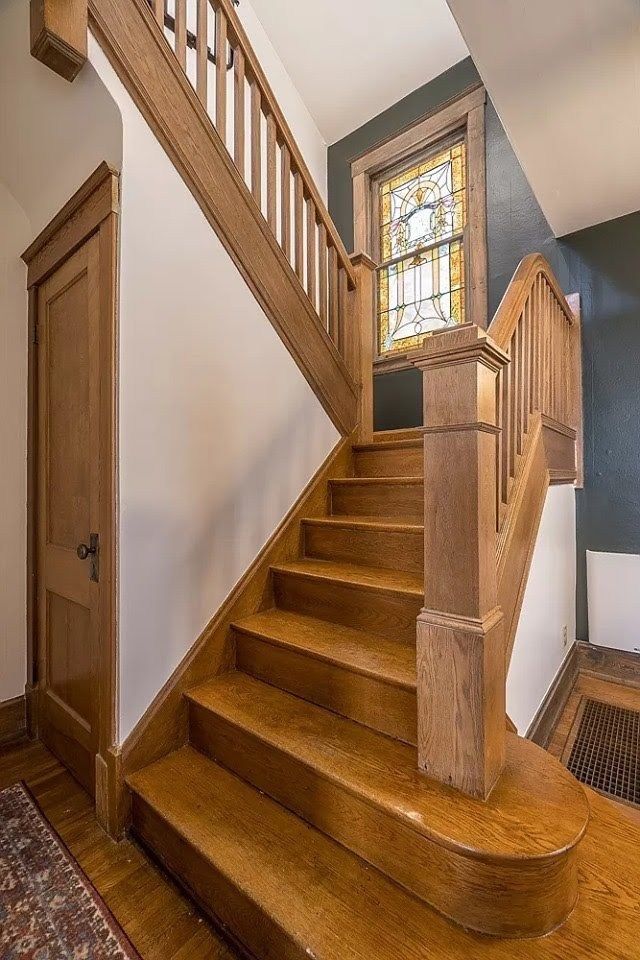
point(602, 263)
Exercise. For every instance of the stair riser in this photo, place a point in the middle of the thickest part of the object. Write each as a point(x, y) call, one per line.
point(462, 888)
point(221, 899)
point(374, 611)
point(403, 462)
point(378, 500)
point(376, 548)
point(382, 706)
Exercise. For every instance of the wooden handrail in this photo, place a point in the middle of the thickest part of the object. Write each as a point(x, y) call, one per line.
point(503, 408)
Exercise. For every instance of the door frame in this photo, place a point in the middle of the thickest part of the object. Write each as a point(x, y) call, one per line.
point(93, 209)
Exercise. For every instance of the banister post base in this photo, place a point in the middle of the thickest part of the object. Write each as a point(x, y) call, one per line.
point(59, 35)
point(461, 723)
point(460, 643)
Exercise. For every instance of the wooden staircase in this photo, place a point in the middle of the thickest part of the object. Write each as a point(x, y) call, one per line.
point(297, 813)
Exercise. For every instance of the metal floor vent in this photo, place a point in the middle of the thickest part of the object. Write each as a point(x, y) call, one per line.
point(606, 752)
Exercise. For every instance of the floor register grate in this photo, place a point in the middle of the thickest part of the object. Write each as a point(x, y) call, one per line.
point(606, 752)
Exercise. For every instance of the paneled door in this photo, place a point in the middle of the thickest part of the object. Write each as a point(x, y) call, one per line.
point(68, 514)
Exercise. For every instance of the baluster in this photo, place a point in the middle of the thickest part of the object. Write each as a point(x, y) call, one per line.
point(531, 320)
point(272, 196)
point(298, 222)
point(221, 74)
point(333, 294)
point(256, 143)
point(548, 369)
point(311, 250)
point(322, 273)
point(238, 111)
point(513, 409)
point(285, 200)
point(343, 341)
point(201, 51)
point(158, 9)
point(506, 430)
point(181, 33)
point(520, 383)
point(535, 304)
point(499, 446)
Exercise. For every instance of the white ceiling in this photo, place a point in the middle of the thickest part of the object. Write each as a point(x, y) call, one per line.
point(350, 59)
point(564, 76)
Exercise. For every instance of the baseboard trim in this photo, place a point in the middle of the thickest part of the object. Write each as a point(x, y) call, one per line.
point(550, 710)
point(13, 720)
point(607, 663)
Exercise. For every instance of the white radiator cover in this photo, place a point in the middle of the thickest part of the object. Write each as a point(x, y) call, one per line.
point(613, 596)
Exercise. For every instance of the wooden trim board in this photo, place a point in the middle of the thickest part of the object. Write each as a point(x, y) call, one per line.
point(607, 663)
point(163, 727)
point(13, 723)
point(550, 710)
point(93, 210)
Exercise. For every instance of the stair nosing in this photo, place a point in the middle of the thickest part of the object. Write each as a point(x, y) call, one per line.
point(384, 524)
point(407, 592)
point(430, 834)
point(406, 481)
point(325, 658)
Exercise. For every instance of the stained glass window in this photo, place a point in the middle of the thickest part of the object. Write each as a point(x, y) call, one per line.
point(422, 215)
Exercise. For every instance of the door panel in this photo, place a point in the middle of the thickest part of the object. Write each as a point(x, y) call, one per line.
point(68, 509)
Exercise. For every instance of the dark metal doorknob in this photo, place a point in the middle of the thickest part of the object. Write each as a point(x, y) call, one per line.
point(84, 551)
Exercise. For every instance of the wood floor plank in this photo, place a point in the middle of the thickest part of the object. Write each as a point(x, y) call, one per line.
point(161, 922)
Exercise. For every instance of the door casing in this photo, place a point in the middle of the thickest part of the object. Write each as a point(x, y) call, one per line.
point(92, 211)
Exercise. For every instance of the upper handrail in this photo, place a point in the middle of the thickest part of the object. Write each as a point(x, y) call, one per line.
point(510, 308)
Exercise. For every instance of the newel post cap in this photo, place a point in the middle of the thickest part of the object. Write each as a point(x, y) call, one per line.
point(466, 343)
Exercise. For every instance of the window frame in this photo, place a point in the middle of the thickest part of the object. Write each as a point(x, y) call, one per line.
point(461, 118)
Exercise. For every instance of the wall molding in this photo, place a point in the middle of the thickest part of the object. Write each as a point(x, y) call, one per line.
point(13, 720)
point(549, 712)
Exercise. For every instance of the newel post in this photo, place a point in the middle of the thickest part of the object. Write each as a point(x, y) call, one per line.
point(460, 646)
point(59, 35)
point(359, 344)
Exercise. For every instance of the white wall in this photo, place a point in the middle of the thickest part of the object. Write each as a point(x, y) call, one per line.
point(219, 431)
point(548, 607)
point(303, 126)
point(613, 592)
point(15, 234)
point(52, 136)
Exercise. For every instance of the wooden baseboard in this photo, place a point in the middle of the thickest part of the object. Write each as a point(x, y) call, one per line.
point(549, 711)
point(13, 720)
point(163, 727)
point(607, 663)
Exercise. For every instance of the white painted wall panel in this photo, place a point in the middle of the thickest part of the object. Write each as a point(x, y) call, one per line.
point(547, 609)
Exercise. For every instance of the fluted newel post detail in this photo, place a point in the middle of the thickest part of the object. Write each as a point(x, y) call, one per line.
point(460, 644)
point(358, 346)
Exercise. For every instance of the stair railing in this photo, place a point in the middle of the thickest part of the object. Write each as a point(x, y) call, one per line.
point(503, 410)
point(233, 88)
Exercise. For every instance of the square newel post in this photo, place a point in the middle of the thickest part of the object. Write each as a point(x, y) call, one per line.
point(460, 648)
point(359, 339)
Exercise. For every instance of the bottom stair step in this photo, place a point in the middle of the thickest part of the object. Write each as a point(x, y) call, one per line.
point(284, 890)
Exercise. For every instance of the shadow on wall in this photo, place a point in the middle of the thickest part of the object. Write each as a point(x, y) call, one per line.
point(189, 585)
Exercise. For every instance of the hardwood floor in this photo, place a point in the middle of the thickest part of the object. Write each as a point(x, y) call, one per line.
point(159, 920)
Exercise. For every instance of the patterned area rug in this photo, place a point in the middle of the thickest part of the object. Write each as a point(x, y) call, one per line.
point(49, 910)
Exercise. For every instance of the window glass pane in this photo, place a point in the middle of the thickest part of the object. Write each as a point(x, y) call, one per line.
point(422, 293)
point(424, 204)
point(422, 217)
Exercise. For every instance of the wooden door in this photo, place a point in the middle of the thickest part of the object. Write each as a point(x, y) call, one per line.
point(68, 507)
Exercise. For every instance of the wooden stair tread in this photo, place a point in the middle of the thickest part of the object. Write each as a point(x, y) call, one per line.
point(337, 908)
point(355, 522)
point(351, 574)
point(376, 445)
point(365, 653)
point(327, 900)
point(376, 481)
point(536, 809)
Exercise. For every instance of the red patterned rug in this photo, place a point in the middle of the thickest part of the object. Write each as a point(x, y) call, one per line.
point(49, 910)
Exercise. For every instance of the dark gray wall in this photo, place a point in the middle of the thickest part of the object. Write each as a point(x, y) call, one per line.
point(602, 263)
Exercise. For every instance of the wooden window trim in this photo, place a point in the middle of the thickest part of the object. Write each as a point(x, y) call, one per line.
point(465, 115)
